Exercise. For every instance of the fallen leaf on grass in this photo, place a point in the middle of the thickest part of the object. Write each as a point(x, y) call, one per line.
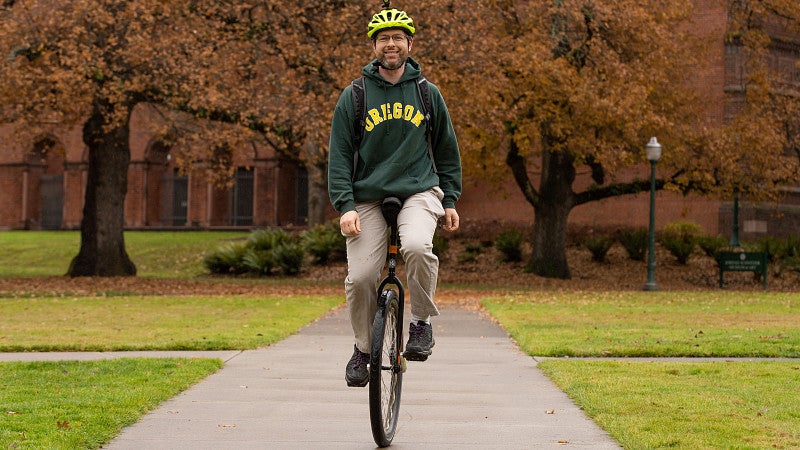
point(63, 424)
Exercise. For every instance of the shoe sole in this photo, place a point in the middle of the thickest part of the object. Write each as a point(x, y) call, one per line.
point(413, 355)
point(356, 383)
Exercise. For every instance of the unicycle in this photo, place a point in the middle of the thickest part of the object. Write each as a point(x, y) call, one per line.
point(386, 362)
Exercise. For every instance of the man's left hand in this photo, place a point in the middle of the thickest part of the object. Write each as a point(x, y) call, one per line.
point(450, 219)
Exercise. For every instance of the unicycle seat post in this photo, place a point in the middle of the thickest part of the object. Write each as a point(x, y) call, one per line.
point(391, 209)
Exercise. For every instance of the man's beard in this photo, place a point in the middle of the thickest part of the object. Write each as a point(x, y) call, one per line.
point(400, 63)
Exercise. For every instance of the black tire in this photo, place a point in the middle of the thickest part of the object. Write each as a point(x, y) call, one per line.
point(385, 372)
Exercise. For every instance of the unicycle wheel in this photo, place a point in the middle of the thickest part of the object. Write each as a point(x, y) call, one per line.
point(386, 370)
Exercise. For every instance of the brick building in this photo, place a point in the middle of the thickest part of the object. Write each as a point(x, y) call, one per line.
point(42, 186)
point(42, 182)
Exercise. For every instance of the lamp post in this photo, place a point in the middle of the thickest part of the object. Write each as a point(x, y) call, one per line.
point(653, 153)
point(735, 236)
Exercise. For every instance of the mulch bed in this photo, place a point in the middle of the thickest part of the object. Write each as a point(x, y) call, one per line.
point(462, 283)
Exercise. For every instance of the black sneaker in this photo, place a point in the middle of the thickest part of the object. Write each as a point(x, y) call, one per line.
point(420, 341)
point(356, 373)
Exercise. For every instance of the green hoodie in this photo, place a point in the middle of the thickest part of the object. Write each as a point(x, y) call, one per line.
point(393, 158)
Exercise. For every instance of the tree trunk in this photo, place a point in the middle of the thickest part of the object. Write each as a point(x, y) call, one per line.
point(102, 251)
point(556, 199)
point(317, 185)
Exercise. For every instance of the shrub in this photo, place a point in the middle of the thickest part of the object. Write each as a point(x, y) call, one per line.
point(793, 247)
point(263, 251)
point(779, 248)
point(679, 238)
point(711, 244)
point(770, 246)
point(226, 259)
point(634, 241)
point(782, 253)
point(215, 264)
point(682, 229)
point(289, 257)
point(268, 238)
point(471, 252)
point(325, 243)
point(509, 244)
point(598, 245)
point(440, 245)
point(679, 248)
point(259, 262)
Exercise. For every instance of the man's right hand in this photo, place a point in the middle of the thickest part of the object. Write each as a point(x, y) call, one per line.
point(350, 223)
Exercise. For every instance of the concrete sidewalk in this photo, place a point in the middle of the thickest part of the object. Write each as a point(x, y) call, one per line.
point(476, 391)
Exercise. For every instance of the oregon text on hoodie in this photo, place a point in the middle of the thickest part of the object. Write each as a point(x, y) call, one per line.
point(393, 158)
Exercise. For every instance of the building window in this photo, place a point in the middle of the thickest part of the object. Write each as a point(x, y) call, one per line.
point(241, 198)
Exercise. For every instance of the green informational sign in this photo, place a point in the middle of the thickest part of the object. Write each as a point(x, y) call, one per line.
point(742, 262)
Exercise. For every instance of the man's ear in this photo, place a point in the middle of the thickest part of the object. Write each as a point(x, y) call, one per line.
point(410, 43)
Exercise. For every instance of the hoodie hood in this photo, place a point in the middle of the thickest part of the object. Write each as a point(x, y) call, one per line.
point(412, 70)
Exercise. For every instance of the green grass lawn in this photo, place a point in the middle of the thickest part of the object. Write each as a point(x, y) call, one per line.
point(715, 323)
point(73, 405)
point(688, 405)
point(154, 322)
point(159, 254)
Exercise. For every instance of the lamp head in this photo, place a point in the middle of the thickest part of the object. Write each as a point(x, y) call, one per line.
point(653, 150)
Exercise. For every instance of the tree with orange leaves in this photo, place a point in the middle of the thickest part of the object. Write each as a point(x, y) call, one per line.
point(562, 85)
point(91, 62)
point(765, 128)
point(310, 51)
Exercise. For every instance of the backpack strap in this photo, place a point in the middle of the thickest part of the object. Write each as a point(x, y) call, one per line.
point(427, 106)
point(359, 94)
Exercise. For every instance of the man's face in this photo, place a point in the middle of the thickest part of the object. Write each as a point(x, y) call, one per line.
point(391, 48)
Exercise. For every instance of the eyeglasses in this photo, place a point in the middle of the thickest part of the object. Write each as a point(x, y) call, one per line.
point(385, 38)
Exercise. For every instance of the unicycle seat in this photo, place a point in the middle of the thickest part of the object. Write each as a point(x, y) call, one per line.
point(391, 209)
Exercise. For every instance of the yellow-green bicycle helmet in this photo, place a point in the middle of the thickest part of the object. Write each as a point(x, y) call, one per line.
point(390, 18)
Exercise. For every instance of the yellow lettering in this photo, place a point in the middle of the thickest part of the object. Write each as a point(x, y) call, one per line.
point(376, 116)
point(390, 111)
point(417, 120)
point(408, 113)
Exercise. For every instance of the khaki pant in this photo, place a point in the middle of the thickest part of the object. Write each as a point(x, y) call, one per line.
point(366, 256)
